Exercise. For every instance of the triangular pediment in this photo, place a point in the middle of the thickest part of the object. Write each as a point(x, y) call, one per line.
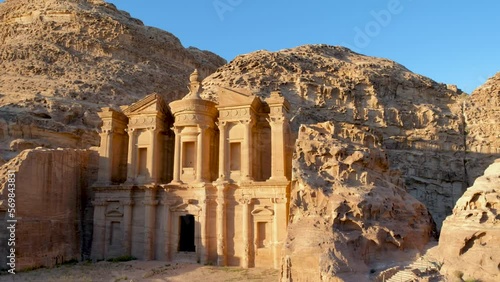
point(114, 213)
point(232, 97)
point(262, 212)
point(149, 104)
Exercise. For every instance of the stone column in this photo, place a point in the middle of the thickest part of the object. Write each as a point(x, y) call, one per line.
point(246, 152)
point(99, 234)
point(132, 156)
point(203, 253)
point(278, 157)
point(166, 230)
point(127, 226)
point(149, 223)
point(279, 229)
point(106, 154)
point(221, 225)
point(200, 157)
point(223, 153)
point(177, 156)
point(152, 165)
point(246, 231)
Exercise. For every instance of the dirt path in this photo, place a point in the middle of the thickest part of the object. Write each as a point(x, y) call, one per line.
point(143, 271)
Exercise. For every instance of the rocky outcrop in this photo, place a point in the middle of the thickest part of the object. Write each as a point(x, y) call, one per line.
point(419, 122)
point(482, 113)
point(350, 213)
point(469, 242)
point(61, 61)
point(52, 206)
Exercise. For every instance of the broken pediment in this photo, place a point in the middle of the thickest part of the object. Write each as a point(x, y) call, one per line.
point(188, 206)
point(231, 97)
point(150, 104)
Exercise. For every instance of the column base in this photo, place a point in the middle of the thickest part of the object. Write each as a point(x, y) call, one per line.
point(131, 181)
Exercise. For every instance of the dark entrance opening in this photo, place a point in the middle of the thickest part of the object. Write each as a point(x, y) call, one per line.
point(186, 234)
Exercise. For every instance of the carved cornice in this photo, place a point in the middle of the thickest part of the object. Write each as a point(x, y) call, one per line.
point(127, 202)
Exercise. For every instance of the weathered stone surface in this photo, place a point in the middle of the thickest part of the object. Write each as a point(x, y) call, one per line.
point(61, 61)
point(349, 212)
point(419, 122)
point(482, 114)
point(469, 242)
point(53, 206)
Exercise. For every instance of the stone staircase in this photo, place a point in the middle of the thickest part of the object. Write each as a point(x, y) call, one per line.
point(420, 270)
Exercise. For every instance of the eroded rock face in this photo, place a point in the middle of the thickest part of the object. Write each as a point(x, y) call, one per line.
point(61, 61)
point(469, 242)
point(53, 206)
point(419, 122)
point(350, 212)
point(482, 113)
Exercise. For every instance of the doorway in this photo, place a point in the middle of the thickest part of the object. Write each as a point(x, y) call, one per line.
point(186, 233)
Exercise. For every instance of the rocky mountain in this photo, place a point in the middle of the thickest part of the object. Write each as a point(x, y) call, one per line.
point(60, 61)
point(420, 123)
point(470, 238)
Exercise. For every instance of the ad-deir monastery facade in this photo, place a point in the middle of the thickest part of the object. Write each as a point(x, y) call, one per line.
point(194, 180)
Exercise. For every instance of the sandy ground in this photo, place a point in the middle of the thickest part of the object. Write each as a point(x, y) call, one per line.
point(143, 271)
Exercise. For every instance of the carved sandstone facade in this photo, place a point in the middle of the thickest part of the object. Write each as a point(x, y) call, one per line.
point(194, 180)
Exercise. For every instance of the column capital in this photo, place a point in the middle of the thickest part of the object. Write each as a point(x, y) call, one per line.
point(150, 202)
point(221, 124)
point(245, 200)
point(279, 200)
point(276, 120)
point(203, 127)
point(108, 131)
point(247, 122)
point(176, 129)
point(168, 203)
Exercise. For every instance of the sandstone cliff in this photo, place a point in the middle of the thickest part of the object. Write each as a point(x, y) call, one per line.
point(470, 238)
point(60, 61)
point(350, 213)
point(53, 206)
point(419, 122)
point(482, 113)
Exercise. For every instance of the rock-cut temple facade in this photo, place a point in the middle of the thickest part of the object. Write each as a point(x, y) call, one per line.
point(194, 180)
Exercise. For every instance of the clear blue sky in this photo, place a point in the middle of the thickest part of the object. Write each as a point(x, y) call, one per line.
point(455, 42)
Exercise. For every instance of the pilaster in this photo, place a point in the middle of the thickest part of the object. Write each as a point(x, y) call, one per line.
point(221, 224)
point(99, 233)
point(177, 156)
point(245, 202)
point(149, 223)
point(127, 226)
point(279, 228)
point(132, 156)
point(223, 151)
